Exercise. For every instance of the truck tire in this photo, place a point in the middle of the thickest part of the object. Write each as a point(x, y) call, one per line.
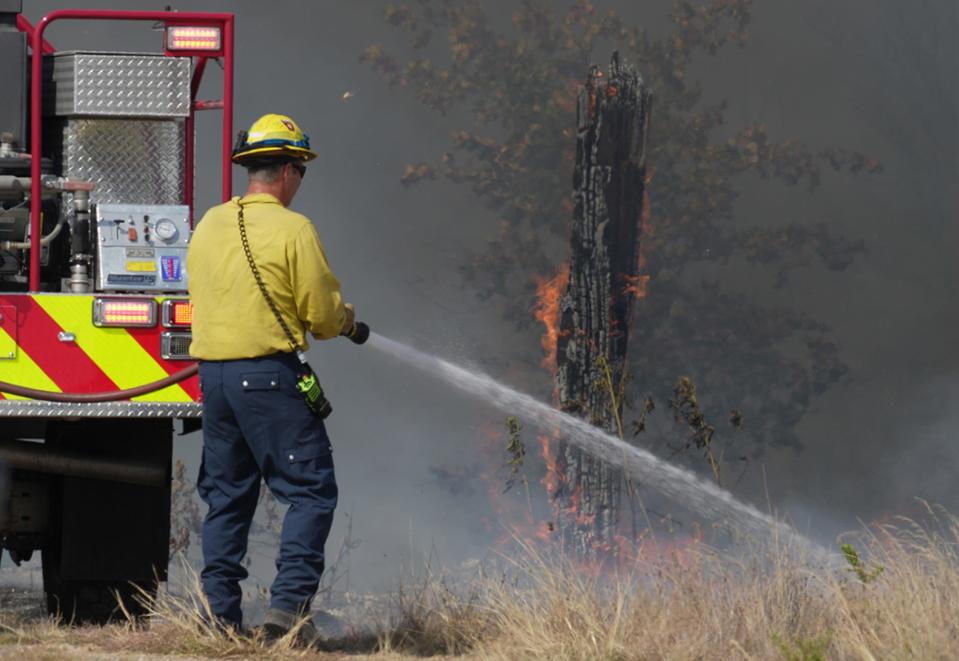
point(107, 537)
point(96, 602)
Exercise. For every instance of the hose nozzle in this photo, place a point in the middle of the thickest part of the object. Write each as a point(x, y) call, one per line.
point(358, 334)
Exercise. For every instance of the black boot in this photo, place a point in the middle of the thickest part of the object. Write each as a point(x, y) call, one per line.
point(278, 623)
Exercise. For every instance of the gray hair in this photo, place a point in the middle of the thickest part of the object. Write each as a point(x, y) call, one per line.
point(266, 172)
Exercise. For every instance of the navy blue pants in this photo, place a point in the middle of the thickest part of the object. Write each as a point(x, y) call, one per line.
point(256, 426)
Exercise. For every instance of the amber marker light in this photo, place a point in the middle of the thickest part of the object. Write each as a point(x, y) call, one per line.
point(176, 313)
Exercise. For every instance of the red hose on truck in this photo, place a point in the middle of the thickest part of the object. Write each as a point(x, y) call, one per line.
point(112, 396)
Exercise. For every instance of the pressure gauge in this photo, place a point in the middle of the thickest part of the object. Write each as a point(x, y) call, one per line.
point(166, 230)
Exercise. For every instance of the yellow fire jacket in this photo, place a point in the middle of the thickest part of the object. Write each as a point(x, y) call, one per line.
point(231, 319)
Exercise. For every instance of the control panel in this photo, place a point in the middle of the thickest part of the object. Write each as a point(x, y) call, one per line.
point(142, 247)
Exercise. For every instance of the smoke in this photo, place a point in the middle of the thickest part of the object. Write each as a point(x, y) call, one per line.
point(878, 77)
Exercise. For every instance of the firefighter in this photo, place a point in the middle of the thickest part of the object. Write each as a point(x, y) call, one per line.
point(255, 424)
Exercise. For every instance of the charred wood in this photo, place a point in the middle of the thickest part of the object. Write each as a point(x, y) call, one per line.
point(608, 197)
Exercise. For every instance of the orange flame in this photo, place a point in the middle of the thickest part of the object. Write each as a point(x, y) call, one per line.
point(646, 215)
point(677, 549)
point(553, 477)
point(637, 285)
point(514, 513)
point(546, 310)
point(505, 506)
point(575, 498)
point(585, 520)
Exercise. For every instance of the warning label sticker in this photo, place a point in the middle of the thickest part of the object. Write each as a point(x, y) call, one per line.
point(171, 268)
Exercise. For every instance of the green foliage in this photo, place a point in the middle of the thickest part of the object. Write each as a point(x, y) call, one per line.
point(515, 152)
point(686, 409)
point(858, 566)
point(639, 424)
point(515, 459)
point(804, 650)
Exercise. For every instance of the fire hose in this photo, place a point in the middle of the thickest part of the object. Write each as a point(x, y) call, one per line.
point(112, 396)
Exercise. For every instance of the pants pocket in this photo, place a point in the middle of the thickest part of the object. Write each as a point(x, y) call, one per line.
point(259, 381)
point(306, 451)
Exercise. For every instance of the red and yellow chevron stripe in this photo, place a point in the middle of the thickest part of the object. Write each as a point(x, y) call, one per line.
point(33, 354)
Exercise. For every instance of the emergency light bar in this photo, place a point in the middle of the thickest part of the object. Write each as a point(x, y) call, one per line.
point(176, 313)
point(124, 312)
point(186, 39)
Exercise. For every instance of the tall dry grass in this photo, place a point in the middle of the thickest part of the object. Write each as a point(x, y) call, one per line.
point(903, 603)
point(176, 624)
point(895, 597)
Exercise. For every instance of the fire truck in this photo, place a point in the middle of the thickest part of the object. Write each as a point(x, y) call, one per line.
point(96, 213)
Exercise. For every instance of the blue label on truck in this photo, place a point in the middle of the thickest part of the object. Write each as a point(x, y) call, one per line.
point(170, 268)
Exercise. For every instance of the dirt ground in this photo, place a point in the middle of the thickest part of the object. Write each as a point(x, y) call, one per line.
point(26, 634)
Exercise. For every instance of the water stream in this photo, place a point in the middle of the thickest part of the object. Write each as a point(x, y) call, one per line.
point(683, 486)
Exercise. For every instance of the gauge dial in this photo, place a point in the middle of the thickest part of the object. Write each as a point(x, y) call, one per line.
point(166, 230)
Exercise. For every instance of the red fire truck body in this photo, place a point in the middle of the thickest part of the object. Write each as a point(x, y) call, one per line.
point(96, 212)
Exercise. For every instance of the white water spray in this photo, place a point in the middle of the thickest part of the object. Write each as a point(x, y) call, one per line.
point(679, 484)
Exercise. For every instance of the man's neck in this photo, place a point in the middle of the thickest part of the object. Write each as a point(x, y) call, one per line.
point(260, 187)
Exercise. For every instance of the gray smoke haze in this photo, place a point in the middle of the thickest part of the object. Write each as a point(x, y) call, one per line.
point(877, 76)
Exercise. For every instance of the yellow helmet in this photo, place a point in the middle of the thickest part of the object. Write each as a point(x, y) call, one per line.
point(272, 136)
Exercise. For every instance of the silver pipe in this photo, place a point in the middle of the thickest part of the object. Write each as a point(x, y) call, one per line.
point(40, 458)
point(11, 183)
point(79, 245)
point(25, 245)
point(51, 185)
point(79, 278)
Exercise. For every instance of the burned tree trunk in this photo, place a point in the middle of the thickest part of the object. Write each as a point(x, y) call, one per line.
point(608, 187)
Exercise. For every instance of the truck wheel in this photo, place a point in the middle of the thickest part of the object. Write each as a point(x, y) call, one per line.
point(95, 602)
point(106, 537)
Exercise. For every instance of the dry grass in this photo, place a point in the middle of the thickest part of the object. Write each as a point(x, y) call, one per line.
point(706, 605)
point(179, 625)
point(697, 605)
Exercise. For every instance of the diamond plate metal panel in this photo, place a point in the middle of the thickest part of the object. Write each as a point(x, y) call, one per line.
point(117, 85)
point(37, 409)
point(130, 161)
